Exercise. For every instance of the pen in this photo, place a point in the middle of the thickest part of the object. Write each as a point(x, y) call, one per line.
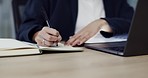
point(45, 16)
point(47, 20)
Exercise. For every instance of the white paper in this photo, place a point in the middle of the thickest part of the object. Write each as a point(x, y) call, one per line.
point(6, 44)
point(100, 39)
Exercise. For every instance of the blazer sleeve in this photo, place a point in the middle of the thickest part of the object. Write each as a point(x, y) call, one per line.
point(120, 19)
point(33, 21)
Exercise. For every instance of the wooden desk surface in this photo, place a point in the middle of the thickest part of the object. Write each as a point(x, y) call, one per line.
point(87, 64)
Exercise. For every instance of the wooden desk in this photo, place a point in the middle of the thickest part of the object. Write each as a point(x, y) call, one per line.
point(87, 64)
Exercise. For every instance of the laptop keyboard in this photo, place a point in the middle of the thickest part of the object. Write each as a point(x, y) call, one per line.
point(119, 49)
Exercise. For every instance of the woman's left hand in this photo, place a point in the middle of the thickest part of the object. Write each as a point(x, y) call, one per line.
point(86, 33)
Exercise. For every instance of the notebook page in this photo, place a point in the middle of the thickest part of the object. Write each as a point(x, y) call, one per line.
point(62, 47)
point(6, 44)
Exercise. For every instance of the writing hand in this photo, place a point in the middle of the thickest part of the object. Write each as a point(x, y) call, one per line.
point(47, 37)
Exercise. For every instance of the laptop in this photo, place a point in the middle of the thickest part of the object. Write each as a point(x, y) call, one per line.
point(137, 41)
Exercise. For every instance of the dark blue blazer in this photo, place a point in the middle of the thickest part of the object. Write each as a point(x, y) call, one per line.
point(62, 15)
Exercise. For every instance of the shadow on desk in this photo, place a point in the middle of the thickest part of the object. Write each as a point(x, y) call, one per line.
point(59, 52)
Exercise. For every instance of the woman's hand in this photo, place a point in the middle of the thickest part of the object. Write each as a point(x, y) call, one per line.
point(47, 37)
point(89, 31)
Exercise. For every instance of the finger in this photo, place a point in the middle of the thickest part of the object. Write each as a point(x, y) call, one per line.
point(68, 42)
point(77, 41)
point(80, 40)
point(84, 39)
point(51, 31)
point(38, 40)
point(59, 38)
point(72, 39)
point(47, 36)
point(43, 42)
point(48, 43)
point(50, 38)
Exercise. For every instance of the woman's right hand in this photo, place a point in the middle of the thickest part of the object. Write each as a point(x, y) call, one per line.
point(47, 37)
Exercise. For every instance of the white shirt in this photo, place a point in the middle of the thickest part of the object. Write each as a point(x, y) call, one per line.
point(89, 11)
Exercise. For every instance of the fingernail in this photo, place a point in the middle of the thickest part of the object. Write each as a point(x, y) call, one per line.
point(79, 43)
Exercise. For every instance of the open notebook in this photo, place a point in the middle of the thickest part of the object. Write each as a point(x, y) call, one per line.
point(12, 47)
